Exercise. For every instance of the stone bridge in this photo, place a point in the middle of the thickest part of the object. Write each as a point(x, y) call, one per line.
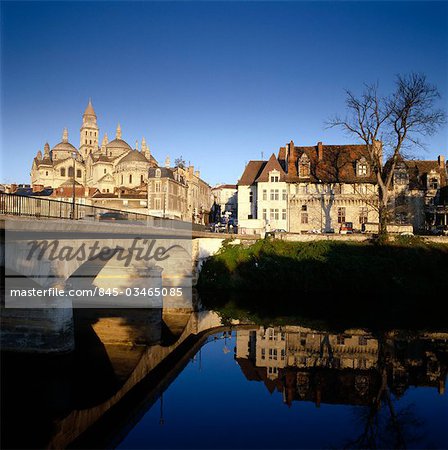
point(81, 264)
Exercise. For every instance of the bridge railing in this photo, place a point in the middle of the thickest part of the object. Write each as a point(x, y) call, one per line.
point(19, 205)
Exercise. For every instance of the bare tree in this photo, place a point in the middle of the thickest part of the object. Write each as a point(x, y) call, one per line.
point(391, 124)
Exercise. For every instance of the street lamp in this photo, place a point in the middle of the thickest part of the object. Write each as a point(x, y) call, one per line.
point(73, 187)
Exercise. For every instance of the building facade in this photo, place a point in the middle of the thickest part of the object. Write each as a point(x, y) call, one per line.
point(226, 196)
point(318, 188)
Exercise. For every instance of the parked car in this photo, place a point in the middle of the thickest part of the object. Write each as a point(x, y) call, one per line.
point(112, 216)
point(346, 228)
point(274, 233)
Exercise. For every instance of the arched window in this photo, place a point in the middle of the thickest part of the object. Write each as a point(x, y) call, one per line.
point(158, 173)
point(130, 179)
point(78, 173)
point(304, 166)
point(70, 172)
point(63, 172)
point(141, 179)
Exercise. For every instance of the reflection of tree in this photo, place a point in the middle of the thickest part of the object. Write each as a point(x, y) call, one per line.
point(383, 426)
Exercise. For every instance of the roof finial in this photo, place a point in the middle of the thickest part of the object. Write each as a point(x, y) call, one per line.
point(136, 145)
point(118, 133)
point(65, 135)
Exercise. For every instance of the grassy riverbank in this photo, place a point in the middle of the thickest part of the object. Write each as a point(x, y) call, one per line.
point(405, 280)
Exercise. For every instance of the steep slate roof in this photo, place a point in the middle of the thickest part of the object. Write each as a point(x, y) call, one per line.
point(251, 173)
point(338, 164)
point(272, 164)
point(418, 170)
point(164, 172)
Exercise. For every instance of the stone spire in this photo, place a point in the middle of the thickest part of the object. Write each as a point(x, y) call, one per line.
point(46, 150)
point(167, 162)
point(89, 132)
point(65, 135)
point(118, 132)
point(104, 142)
point(145, 150)
point(136, 144)
point(39, 155)
point(89, 110)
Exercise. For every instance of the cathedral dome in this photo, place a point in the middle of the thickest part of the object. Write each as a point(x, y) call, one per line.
point(134, 156)
point(65, 146)
point(118, 144)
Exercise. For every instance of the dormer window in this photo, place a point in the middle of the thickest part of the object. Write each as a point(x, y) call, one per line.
point(274, 177)
point(158, 173)
point(304, 166)
point(433, 183)
point(362, 168)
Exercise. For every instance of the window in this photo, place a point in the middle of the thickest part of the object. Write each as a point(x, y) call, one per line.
point(274, 178)
point(273, 353)
point(304, 207)
point(265, 215)
point(276, 214)
point(122, 179)
point(63, 172)
point(341, 215)
point(433, 183)
point(141, 179)
point(283, 214)
point(271, 334)
point(70, 172)
point(276, 194)
point(251, 197)
point(362, 169)
point(158, 173)
point(362, 340)
point(271, 214)
point(105, 170)
point(263, 353)
point(90, 141)
point(46, 173)
point(284, 194)
point(340, 340)
point(282, 354)
point(304, 218)
point(130, 179)
point(158, 203)
point(78, 173)
point(265, 194)
point(363, 214)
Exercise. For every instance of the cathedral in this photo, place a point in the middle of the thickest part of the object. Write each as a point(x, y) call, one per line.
point(104, 167)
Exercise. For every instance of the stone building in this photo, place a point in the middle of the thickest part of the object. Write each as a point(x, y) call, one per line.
point(167, 194)
point(115, 175)
point(317, 188)
point(109, 168)
point(226, 196)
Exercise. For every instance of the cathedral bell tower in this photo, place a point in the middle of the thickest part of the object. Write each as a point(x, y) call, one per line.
point(89, 132)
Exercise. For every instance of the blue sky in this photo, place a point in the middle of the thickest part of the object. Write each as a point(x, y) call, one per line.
point(217, 83)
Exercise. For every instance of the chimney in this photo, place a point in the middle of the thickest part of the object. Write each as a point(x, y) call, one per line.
point(191, 170)
point(320, 151)
point(378, 145)
point(197, 173)
point(441, 161)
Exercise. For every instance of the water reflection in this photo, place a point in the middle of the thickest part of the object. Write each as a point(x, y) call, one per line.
point(353, 368)
point(109, 391)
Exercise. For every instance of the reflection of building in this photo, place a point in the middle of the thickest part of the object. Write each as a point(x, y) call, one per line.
point(320, 187)
point(310, 365)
